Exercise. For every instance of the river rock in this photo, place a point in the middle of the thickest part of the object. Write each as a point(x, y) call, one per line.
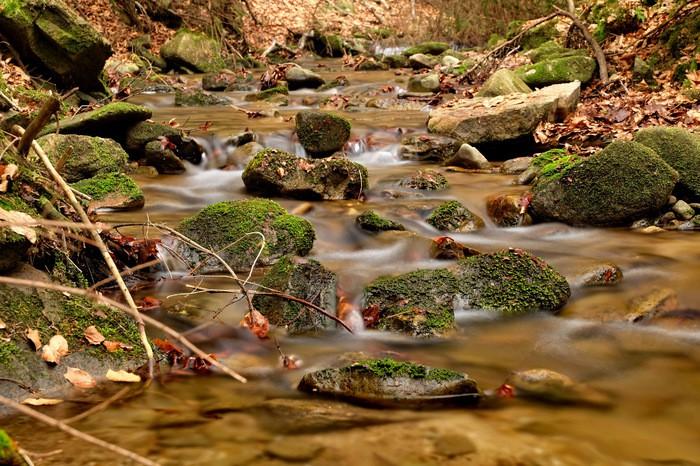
point(84, 156)
point(453, 216)
point(303, 278)
point(390, 382)
point(193, 51)
point(502, 118)
point(139, 135)
point(371, 64)
point(198, 98)
point(371, 221)
point(516, 166)
point(503, 82)
point(162, 158)
point(424, 83)
point(450, 62)
point(111, 120)
point(421, 61)
point(468, 156)
point(622, 183)
point(15, 247)
point(680, 149)
point(553, 387)
point(428, 180)
point(276, 95)
point(221, 81)
point(505, 210)
point(219, 225)
point(301, 78)
point(428, 48)
point(428, 147)
point(278, 173)
point(605, 274)
point(558, 70)
point(329, 45)
point(50, 37)
point(651, 304)
point(683, 210)
point(395, 61)
point(446, 248)
point(112, 190)
point(321, 134)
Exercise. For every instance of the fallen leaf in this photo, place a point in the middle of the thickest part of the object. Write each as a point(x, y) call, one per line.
point(122, 376)
point(149, 303)
point(257, 323)
point(55, 349)
point(7, 173)
point(93, 336)
point(41, 401)
point(79, 378)
point(33, 336)
point(22, 220)
point(113, 346)
point(2, 325)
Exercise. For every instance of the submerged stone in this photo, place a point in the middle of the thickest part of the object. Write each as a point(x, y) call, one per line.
point(508, 210)
point(198, 98)
point(553, 387)
point(394, 383)
point(83, 157)
point(373, 222)
point(301, 278)
point(224, 223)
point(453, 216)
point(112, 190)
point(321, 134)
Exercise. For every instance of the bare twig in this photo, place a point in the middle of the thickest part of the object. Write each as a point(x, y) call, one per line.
point(126, 272)
point(74, 432)
point(49, 108)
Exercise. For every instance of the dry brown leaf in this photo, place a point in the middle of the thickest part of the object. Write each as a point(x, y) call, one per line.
point(22, 219)
point(257, 323)
point(2, 325)
point(93, 336)
point(113, 346)
point(79, 378)
point(122, 376)
point(33, 336)
point(55, 349)
point(7, 173)
point(41, 401)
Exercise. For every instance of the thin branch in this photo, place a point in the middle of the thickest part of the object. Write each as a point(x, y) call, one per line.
point(50, 107)
point(597, 50)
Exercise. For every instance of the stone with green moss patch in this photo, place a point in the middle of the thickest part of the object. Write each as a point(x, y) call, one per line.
point(558, 70)
point(373, 222)
point(79, 157)
point(680, 149)
point(503, 82)
point(193, 51)
point(277, 94)
point(112, 190)
point(536, 36)
point(111, 120)
point(9, 453)
point(624, 182)
point(198, 98)
point(554, 164)
point(387, 381)
point(301, 278)
point(427, 180)
point(321, 134)
point(427, 48)
point(274, 172)
point(144, 132)
point(453, 216)
point(243, 222)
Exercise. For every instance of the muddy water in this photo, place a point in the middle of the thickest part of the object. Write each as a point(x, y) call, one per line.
point(651, 373)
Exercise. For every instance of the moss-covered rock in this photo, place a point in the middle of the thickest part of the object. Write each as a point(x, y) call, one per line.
point(558, 70)
point(554, 164)
point(330, 45)
point(390, 382)
point(395, 61)
point(79, 157)
point(371, 221)
point(680, 149)
point(513, 282)
point(551, 50)
point(162, 158)
point(277, 94)
point(453, 216)
point(111, 120)
point(624, 182)
point(428, 147)
point(428, 180)
point(112, 190)
point(536, 36)
point(9, 453)
point(503, 82)
point(52, 38)
point(419, 303)
point(301, 278)
point(198, 98)
point(427, 48)
point(193, 51)
point(321, 134)
point(144, 132)
point(424, 83)
point(420, 61)
point(222, 81)
point(278, 173)
point(220, 225)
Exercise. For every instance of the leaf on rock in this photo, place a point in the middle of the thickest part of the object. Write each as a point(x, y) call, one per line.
point(55, 349)
point(20, 222)
point(33, 336)
point(93, 336)
point(113, 346)
point(7, 173)
point(257, 323)
point(41, 401)
point(79, 378)
point(122, 376)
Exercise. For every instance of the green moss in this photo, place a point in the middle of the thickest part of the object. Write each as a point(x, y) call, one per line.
point(539, 35)
point(555, 164)
point(427, 48)
point(197, 98)
point(83, 157)
point(296, 232)
point(558, 70)
point(322, 133)
point(102, 186)
point(276, 93)
point(453, 216)
point(682, 69)
point(388, 368)
point(372, 221)
point(8, 351)
point(106, 120)
point(9, 455)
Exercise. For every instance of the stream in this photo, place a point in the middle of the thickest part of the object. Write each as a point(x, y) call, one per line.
point(651, 372)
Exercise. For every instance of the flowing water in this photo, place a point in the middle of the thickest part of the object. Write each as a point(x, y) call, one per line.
point(651, 372)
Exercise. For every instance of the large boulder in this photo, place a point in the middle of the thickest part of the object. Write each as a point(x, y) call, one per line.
point(503, 82)
point(321, 134)
point(277, 173)
point(502, 118)
point(679, 148)
point(194, 51)
point(79, 157)
point(558, 70)
point(301, 78)
point(390, 382)
point(111, 120)
point(622, 183)
point(220, 225)
point(302, 278)
point(52, 38)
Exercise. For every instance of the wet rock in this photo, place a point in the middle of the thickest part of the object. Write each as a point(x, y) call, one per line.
point(390, 382)
point(516, 166)
point(291, 449)
point(507, 210)
point(84, 156)
point(112, 190)
point(158, 155)
point(301, 78)
point(277, 94)
point(305, 279)
point(9, 452)
point(221, 224)
point(111, 120)
point(606, 274)
point(503, 82)
point(144, 132)
point(502, 118)
point(683, 319)
point(242, 155)
point(51, 38)
point(682, 210)
point(193, 51)
point(221, 81)
point(622, 183)
point(453, 445)
point(428, 147)
point(424, 83)
point(321, 134)
point(371, 64)
point(649, 305)
point(373, 222)
point(428, 180)
point(680, 149)
point(553, 387)
point(421, 61)
point(198, 98)
point(428, 48)
point(14, 247)
point(468, 156)
point(528, 176)
point(558, 70)
point(395, 61)
point(278, 173)
point(665, 220)
point(446, 248)
point(692, 224)
point(340, 81)
point(453, 216)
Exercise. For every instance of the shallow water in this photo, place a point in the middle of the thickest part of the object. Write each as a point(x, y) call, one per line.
point(651, 372)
